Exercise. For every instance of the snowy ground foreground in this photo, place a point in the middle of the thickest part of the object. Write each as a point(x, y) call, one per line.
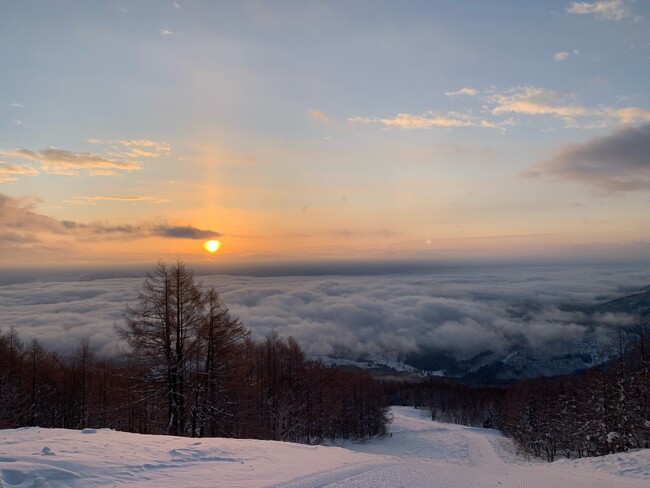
point(420, 453)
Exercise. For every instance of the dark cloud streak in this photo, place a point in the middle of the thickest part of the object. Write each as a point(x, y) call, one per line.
point(184, 232)
point(22, 223)
point(618, 162)
point(61, 160)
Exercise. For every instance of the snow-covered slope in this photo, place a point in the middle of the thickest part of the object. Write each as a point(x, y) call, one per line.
point(417, 453)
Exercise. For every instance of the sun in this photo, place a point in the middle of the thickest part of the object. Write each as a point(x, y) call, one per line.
point(211, 246)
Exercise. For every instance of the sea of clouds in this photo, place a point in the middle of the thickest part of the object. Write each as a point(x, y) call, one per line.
point(461, 310)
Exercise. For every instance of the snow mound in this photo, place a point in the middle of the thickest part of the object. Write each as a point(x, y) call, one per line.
point(634, 464)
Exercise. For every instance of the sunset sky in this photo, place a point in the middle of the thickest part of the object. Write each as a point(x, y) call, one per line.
point(305, 130)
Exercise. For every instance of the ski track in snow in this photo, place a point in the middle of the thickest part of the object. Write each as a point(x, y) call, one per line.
point(418, 453)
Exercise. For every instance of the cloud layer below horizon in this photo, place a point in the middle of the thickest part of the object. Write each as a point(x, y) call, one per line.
point(462, 312)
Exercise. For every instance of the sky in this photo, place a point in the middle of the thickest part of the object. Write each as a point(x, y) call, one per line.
point(308, 130)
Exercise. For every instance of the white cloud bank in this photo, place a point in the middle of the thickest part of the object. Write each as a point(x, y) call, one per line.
point(462, 311)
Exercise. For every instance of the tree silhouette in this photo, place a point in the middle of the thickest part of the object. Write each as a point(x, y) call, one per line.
point(162, 330)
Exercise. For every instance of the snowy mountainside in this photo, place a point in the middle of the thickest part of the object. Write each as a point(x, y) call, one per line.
point(487, 367)
point(484, 368)
point(417, 452)
point(521, 361)
point(637, 303)
point(378, 365)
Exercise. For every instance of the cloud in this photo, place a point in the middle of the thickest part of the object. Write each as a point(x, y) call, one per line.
point(176, 5)
point(429, 119)
point(627, 115)
point(166, 32)
point(134, 148)
point(318, 116)
point(471, 92)
point(461, 311)
point(532, 100)
point(561, 56)
point(19, 218)
point(23, 223)
point(184, 232)
point(500, 109)
point(61, 161)
point(615, 163)
point(160, 146)
point(415, 121)
point(9, 170)
point(603, 10)
point(115, 198)
point(116, 156)
point(564, 55)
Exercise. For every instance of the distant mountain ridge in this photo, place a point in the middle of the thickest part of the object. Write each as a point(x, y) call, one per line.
point(637, 303)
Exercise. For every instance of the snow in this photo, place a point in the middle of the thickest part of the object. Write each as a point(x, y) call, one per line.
point(634, 464)
point(418, 452)
point(372, 360)
point(369, 361)
point(509, 357)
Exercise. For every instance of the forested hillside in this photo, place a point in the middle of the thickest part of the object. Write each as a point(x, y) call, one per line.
point(189, 369)
point(603, 410)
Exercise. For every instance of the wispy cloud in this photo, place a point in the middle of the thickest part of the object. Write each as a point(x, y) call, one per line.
point(615, 163)
point(430, 119)
point(115, 156)
point(561, 56)
point(160, 146)
point(115, 198)
point(627, 115)
point(498, 109)
point(134, 148)
point(615, 10)
point(463, 91)
point(533, 100)
point(318, 116)
point(61, 161)
point(564, 55)
point(166, 32)
point(20, 219)
point(9, 171)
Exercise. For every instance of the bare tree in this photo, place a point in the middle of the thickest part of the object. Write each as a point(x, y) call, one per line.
point(163, 329)
point(220, 369)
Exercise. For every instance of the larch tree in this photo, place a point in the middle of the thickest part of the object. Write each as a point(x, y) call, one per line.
point(221, 367)
point(163, 330)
